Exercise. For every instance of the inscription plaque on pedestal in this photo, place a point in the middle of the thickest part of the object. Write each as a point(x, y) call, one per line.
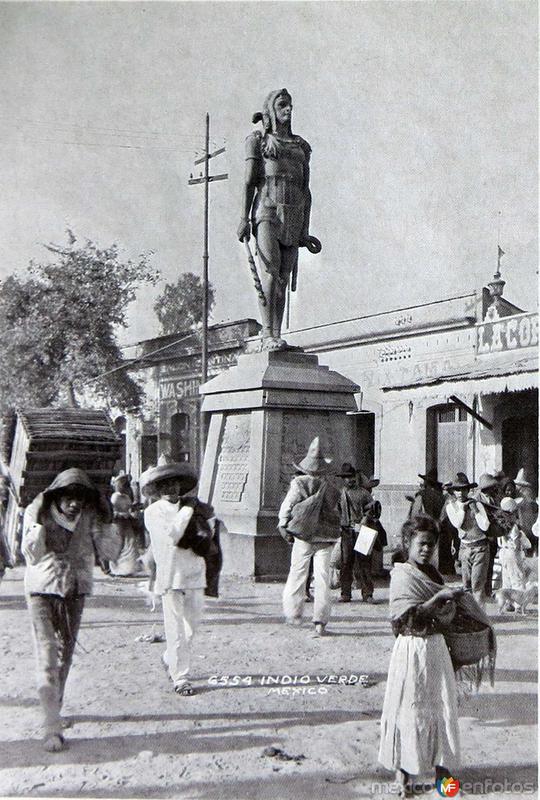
point(233, 459)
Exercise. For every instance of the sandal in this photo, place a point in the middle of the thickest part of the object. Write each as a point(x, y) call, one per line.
point(184, 689)
point(54, 743)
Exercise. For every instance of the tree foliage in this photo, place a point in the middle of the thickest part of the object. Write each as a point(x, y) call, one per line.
point(59, 324)
point(179, 306)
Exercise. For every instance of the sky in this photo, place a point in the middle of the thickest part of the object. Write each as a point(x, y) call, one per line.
point(422, 118)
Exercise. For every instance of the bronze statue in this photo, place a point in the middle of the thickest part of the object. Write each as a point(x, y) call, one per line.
point(276, 208)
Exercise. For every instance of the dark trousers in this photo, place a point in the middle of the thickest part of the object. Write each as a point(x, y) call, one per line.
point(474, 569)
point(489, 579)
point(354, 563)
point(55, 625)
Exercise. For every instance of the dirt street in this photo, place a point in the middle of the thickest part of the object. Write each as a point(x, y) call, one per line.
point(132, 737)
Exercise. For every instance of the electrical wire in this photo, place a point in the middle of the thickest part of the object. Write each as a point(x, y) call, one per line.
point(109, 144)
point(131, 362)
point(107, 131)
point(99, 128)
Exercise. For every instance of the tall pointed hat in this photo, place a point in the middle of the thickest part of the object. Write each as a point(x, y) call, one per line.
point(314, 463)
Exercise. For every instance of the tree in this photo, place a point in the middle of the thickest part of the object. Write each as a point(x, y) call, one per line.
point(59, 324)
point(179, 307)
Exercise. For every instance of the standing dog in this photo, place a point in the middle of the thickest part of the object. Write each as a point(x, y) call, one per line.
point(517, 598)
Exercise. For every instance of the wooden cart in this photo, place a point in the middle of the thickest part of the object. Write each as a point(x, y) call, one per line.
point(43, 442)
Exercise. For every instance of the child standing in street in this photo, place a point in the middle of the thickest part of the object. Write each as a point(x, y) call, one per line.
point(512, 547)
point(419, 725)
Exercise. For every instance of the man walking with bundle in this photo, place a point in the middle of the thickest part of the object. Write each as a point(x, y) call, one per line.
point(180, 538)
point(308, 516)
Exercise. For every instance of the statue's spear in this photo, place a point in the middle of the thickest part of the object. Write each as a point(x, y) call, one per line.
point(255, 274)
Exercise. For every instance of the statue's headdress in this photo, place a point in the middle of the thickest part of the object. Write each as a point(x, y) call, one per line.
point(268, 114)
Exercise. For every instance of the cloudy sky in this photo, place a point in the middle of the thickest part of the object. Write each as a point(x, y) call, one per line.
point(422, 117)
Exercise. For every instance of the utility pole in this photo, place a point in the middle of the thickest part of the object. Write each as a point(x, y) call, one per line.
point(205, 179)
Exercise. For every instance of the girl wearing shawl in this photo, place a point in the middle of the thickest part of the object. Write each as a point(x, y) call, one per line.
point(419, 725)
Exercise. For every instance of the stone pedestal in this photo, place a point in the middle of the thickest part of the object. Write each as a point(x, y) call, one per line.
point(264, 412)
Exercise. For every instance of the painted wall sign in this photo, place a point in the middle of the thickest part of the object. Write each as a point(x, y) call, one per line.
point(191, 365)
point(174, 387)
point(178, 390)
point(508, 333)
point(403, 374)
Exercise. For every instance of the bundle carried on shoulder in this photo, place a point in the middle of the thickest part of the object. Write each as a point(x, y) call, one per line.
point(198, 535)
point(316, 516)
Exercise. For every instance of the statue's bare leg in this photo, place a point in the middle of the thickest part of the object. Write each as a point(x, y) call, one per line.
point(269, 256)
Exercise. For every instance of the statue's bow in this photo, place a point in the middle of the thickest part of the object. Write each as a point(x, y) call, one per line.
point(313, 245)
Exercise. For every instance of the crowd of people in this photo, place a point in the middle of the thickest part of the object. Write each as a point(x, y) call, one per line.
point(486, 531)
point(443, 634)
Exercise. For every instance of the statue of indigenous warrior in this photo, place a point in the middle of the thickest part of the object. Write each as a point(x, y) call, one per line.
point(276, 208)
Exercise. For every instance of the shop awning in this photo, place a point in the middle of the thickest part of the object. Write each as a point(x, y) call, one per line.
point(506, 375)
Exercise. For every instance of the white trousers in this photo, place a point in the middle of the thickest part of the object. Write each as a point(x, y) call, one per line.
point(182, 613)
point(295, 588)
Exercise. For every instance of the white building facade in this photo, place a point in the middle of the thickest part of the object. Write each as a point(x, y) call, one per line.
point(450, 385)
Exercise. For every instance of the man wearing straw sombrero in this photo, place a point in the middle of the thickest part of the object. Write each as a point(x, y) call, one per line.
point(180, 566)
point(309, 515)
point(471, 521)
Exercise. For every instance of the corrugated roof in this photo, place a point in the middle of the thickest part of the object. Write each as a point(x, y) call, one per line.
point(67, 423)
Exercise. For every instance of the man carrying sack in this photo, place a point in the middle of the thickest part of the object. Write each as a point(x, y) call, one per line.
point(308, 516)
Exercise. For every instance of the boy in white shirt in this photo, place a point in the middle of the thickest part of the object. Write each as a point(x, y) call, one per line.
point(180, 571)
